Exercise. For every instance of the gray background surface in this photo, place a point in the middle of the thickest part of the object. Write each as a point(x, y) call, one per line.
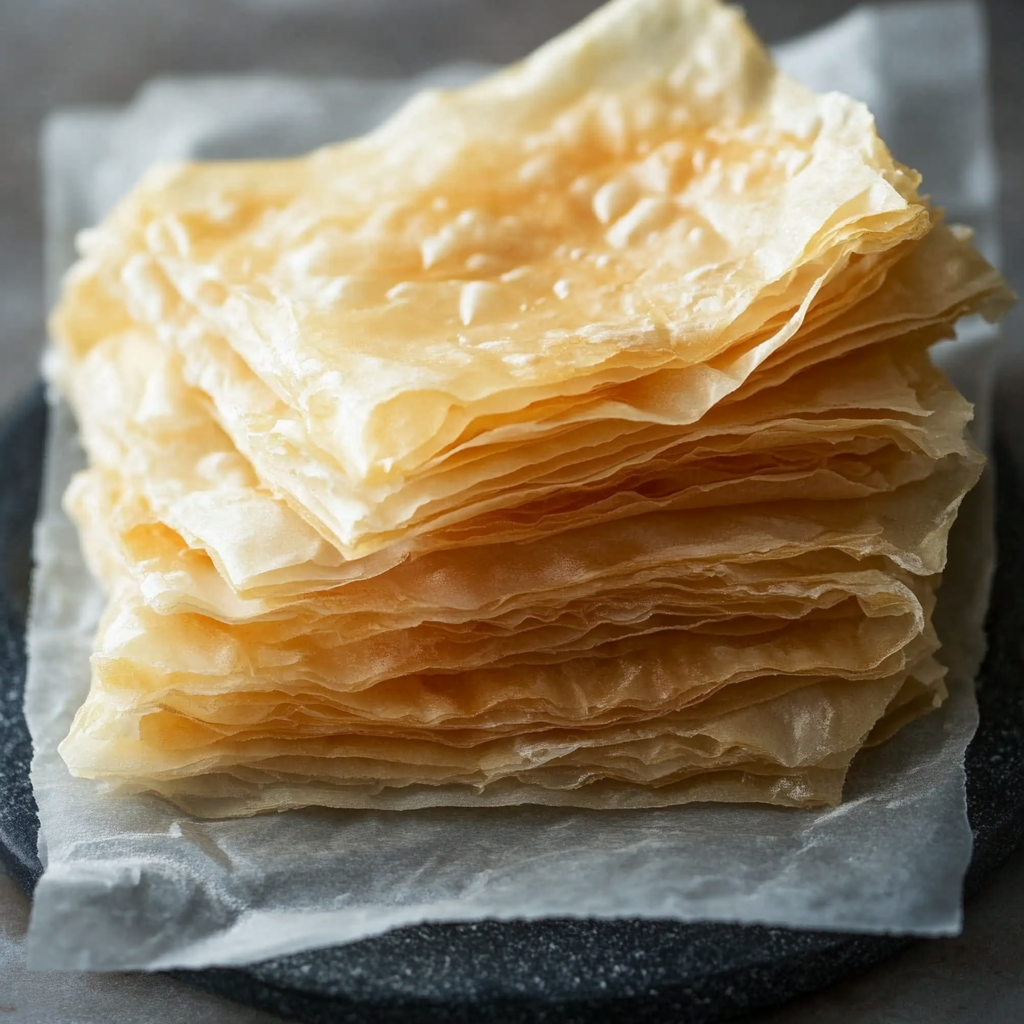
point(58, 53)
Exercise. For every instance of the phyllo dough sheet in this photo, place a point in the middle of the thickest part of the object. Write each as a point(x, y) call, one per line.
point(572, 438)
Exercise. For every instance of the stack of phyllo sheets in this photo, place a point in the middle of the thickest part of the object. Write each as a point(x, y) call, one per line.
point(570, 439)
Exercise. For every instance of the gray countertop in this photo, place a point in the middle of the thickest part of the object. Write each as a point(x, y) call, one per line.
point(977, 978)
point(58, 53)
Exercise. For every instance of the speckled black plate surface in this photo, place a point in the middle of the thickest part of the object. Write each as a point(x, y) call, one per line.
point(555, 970)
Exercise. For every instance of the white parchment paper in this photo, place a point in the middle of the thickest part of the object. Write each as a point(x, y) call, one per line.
point(131, 882)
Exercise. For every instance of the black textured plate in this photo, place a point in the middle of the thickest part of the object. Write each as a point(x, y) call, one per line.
point(554, 970)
